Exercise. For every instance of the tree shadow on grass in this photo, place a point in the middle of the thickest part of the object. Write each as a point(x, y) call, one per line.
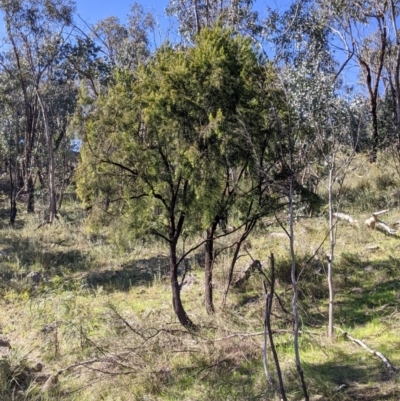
point(28, 255)
point(353, 377)
point(368, 304)
point(364, 291)
point(368, 291)
point(140, 272)
point(230, 376)
point(76, 268)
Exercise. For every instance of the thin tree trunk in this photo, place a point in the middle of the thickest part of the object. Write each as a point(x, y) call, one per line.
point(208, 267)
point(49, 138)
point(31, 194)
point(269, 299)
point(29, 127)
point(331, 256)
point(373, 88)
point(13, 203)
point(375, 132)
point(27, 173)
point(249, 228)
point(196, 16)
point(295, 289)
point(396, 74)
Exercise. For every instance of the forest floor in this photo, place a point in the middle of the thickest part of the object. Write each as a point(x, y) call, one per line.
point(88, 315)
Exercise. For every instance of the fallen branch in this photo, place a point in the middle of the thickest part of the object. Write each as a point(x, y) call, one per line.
point(345, 217)
point(382, 226)
point(388, 365)
point(52, 380)
point(373, 222)
point(213, 365)
point(257, 333)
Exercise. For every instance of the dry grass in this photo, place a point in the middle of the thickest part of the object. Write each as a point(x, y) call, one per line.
point(100, 322)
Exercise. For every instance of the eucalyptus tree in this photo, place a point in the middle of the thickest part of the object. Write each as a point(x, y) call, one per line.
point(299, 35)
point(92, 69)
point(194, 15)
point(302, 53)
point(125, 45)
point(316, 136)
point(11, 104)
point(333, 121)
point(288, 165)
point(108, 45)
point(36, 35)
point(60, 95)
point(368, 33)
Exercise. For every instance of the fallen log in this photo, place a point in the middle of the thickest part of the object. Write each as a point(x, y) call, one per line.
point(373, 220)
point(375, 223)
point(382, 226)
point(345, 217)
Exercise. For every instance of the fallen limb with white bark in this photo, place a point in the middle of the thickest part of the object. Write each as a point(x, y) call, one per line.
point(345, 217)
point(382, 226)
point(375, 223)
point(388, 365)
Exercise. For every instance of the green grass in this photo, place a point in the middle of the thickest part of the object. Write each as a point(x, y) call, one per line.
point(102, 315)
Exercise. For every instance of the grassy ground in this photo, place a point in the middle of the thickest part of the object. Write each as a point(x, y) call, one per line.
point(96, 321)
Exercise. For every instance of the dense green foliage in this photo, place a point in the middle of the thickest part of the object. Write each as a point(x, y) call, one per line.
point(184, 126)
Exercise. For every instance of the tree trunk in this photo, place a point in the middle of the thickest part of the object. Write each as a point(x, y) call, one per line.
point(295, 289)
point(396, 74)
point(176, 290)
point(29, 127)
point(268, 324)
point(330, 260)
point(375, 132)
point(196, 16)
point(30, 187)
point(27, 174)
point(13, 203)
point(208, 266)
point(49, 138)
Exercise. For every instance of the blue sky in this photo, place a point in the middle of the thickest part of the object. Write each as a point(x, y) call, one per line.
point(94, 10)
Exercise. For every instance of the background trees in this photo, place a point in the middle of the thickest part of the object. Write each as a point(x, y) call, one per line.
point(33, 60)
point(194, 15)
